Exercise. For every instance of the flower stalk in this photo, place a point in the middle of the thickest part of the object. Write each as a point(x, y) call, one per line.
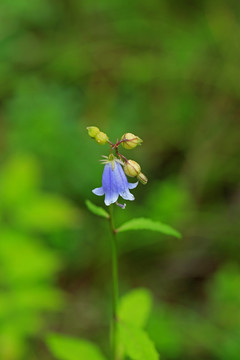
point(114, 185)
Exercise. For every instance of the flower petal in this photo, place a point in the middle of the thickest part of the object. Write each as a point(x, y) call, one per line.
point(98, 191)
point(120, 179)
point(127, 195)
point(107, 178)
point(132, 185)
point(110, 198)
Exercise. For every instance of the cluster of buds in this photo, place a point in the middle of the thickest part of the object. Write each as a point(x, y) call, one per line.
point(100, 137)
point(128, 141)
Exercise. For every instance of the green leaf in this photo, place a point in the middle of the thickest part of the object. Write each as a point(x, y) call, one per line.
point(97, 210)
point(69, 348)
point(136, 343)
point(134, 307)
point(148, 224)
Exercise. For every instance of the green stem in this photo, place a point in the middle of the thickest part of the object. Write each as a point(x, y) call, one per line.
point(114, 285)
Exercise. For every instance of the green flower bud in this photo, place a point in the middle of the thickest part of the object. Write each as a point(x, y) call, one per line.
point(130, 141)
point(142, 178)
point(93, 131)
point(101, 138)
point(131, 168)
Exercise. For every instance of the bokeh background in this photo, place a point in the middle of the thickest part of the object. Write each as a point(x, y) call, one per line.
point(169, 72)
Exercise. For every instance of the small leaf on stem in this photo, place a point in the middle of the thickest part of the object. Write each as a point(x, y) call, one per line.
point(69, 348)
point(136, 343)
point(148, 224)
point(97, 210)
point(135, 306)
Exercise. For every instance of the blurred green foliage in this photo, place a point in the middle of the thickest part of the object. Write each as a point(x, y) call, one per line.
point(28, 266)
point(211, 329)
point(69, 348)
point(167, 71)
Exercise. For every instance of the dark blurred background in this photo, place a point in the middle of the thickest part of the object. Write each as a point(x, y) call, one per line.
point(167, 71)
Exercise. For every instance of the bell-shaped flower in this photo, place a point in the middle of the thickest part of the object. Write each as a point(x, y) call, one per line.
point(114, 183)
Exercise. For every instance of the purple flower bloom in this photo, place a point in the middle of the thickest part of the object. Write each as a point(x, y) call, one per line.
point(114, 183)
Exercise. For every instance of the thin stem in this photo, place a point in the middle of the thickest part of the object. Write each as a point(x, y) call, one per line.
point(120, 155)
point(114, 285)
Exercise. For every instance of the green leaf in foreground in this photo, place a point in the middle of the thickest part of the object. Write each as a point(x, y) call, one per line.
point(148, 224)
point(97, 210)
point(69, 348)
point(136, 343)
point(135, 306)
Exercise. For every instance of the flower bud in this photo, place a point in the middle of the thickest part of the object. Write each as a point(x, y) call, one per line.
point(130, 141)
point(101, 138)
point(142, 178)
point(93, 131)
point(131, 168)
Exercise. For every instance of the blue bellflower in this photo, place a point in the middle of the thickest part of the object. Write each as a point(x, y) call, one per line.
point(114, 183)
